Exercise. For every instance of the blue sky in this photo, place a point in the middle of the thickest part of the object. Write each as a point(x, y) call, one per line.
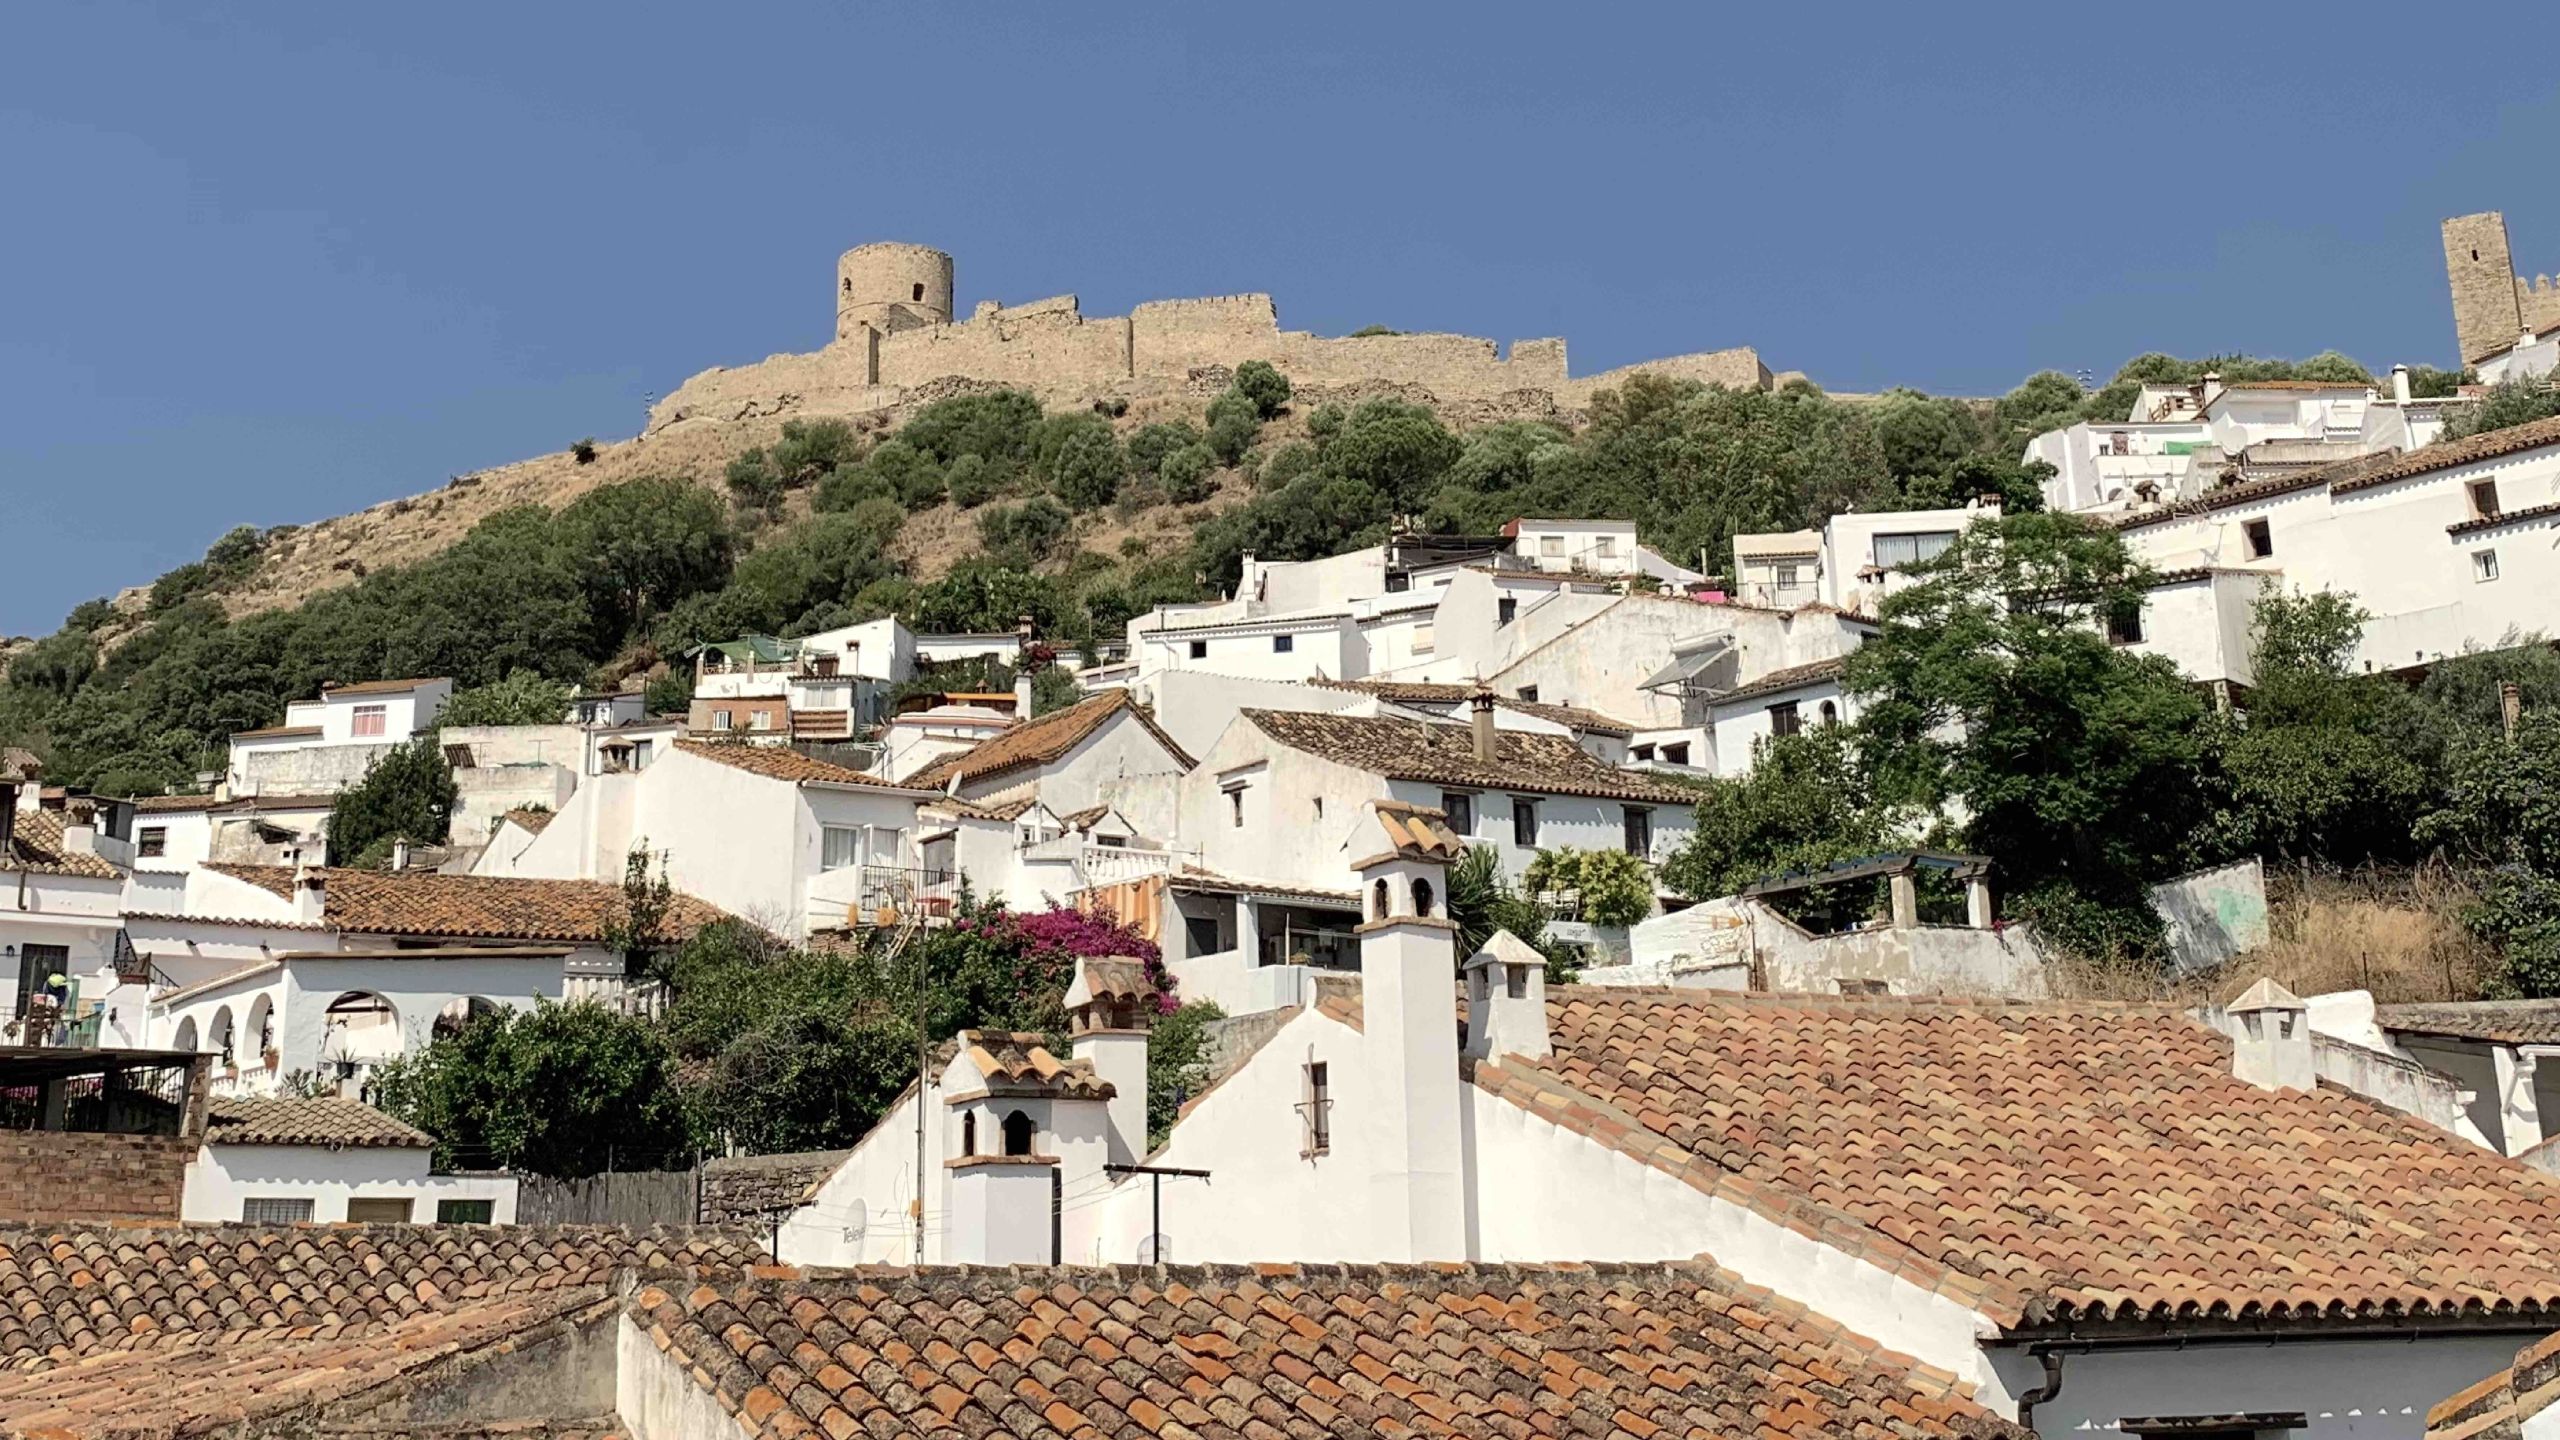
point(279, 263)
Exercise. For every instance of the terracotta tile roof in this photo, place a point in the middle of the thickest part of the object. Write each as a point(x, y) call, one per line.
point(1013, 1063)
point(749, 1189)
point(536, 821)
point(2488, 445)
point(1042, 740)
point(1420, 692)
point(2508, 1022)
point(1445, 754)
point(19, 764)
point(776, 762)
point(1290, 1350)
point(970, 809)
point(72, 1290)
point(385, 687)
point(2503, 517)
point(283, 1120)
point(36, 847)
point(2297, 385)
point(2497, 1407)
point(2045, 1162)
point(275, 732)
point(154, 804)
point(425, 902)
point(243, 804)
point(1793, 677)
point(1417, 832)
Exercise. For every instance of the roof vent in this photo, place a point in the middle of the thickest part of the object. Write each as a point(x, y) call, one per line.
point(2272, 1048)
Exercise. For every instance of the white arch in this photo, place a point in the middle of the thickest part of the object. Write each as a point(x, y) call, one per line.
point(362, 1028)
point(219, 1038)
point(459, 1012)
point(259, 1030)
point(186, 1039)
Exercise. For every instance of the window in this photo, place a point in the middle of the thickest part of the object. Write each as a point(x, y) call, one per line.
point(1201, 934)
point(1676, 754)
point(1783, 719)
point(1283, 644)
point(1319, 804)
point(1830, 713)
point(2125, 627)
point(1422, 897)
point(1460, 807)
point(1641, 754)
point(1551, 546)
point(275, 1210)
point(2484, 499)
point(1529, 693)
point(839, 846)
point(1505, 610)
point(152, 842)
point(2484, 567)
point(1423, 641)
point(1901, 552)
point(1017, 1134)
point(759, 719)
point(378, 1209)
point(824, 665)
point(1121, 842)
point(371, 719)
point(720, 720)
point(2260, 540)
point(1199, 649)
point(1315, 1111)
point(919, 294)
point(1524, 823)
point(1607, 549)
point(2119, 443)
point(640, 752)
point(37, 965)
point(1786, 577)
point(1235, 806)
point(1864, 987)
point(1639, 831)
point(466, 1212)
point(969, 1133)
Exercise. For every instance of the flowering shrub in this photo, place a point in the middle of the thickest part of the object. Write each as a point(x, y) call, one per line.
point(1044, 946)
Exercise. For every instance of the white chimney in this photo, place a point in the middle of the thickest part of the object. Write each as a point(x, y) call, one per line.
point(2211, 387)
point(2400, 383)
point(400, 853)
point(1480, 716)
point(2272, 1048)
point(1109, 1006)
point(310, 883)
point(1507, 1001)
point(1409, 1043)
point(1024, 629)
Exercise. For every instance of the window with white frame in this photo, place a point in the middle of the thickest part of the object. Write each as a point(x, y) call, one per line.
point(1901, 552)
point(151, 841)
point(1315, 1110)
point(839, 846)
point(1460, 808)
point(275, 1209)
point(372, 719)
point(1607, 549)
point(721, 720)
point(1235, 806)
point(1551, 546)
point(2484, 565)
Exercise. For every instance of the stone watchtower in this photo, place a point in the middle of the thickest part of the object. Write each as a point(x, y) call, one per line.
point(2487, 308)
point(888, 288)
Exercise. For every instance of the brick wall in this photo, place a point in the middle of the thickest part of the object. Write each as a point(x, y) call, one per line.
point(48, 1176)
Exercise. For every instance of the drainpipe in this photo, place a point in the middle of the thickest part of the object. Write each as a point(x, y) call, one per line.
point(2043, 1393)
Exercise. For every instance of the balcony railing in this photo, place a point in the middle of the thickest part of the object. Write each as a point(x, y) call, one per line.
point(859, 895)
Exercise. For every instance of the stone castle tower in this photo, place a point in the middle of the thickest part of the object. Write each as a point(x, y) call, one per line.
point(888, 288)
point(2492, 304)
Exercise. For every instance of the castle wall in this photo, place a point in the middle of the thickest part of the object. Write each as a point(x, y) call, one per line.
point(1050, 348)
point(2491, 302)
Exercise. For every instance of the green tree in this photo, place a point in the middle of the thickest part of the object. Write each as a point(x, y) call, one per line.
point(973, 482)
point(1234, 421)
point(1185, 474)
point(639, 547)
point(2501, 812)
point(1990, 682)
point(810, 1081)
point(997, 424)
point(523, 698)
point(561, 1090)
point(1088, 466)
point(2509, 403)
point(236, 553)
point(406, 794)
point(1806, 802)
point(1263, 384)
point(1395, 449)
point(1026, 533)
point(1178, 1056)
point(1152, 443)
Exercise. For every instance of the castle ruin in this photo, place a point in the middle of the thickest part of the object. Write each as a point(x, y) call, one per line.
point(895, 331)
point(2492, 304)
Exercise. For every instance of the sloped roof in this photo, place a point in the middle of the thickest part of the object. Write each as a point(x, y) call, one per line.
point(1134, 1354)
point(1042, 740)
point(322, 1120)
point(1417, 832)
point(385, 687)
point(776, 762)
point(1421, 692)
point(1420, 750)
point(2497, 1406)
point(2488, 445)
point(535, 821)
point(36, 847)
point(19, 764)
point(2505, 1022)
point(1793, 677)
point(487, 907)
point(2044, 1162)
point(1010, 1062)
point(751, 1189)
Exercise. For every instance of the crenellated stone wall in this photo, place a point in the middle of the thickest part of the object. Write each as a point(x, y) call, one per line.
point(887, 346)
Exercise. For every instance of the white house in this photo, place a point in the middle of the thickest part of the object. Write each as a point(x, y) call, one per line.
point(281, 1160)
point(61, 886)
point(327, 744)
point(1855, 560)
point(176, 832)
point(792, 843)
point(2448, 547)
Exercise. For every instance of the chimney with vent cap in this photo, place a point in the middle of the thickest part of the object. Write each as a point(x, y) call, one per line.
point(2400, 383)
point(310, 882)
point(1480, 716)
point(2272, 1046)
point(1409, 1050)
point(1507, 1001)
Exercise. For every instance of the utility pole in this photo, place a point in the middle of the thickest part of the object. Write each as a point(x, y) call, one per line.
point(923, 1065)
point(1156, 1177)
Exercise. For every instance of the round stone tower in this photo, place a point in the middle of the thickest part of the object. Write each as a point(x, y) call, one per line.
point(891, 287)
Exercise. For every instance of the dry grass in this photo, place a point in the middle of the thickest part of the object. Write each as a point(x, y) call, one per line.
point(2397, 933)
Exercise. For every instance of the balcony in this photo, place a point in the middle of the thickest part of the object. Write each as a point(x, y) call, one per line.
point(853, 896)
point(1098, 865)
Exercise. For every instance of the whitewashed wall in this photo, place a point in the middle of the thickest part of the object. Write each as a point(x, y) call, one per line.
point(222, 1176)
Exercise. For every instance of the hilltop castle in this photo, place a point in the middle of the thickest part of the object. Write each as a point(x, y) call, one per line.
point(895, 331)
point(2492, 304)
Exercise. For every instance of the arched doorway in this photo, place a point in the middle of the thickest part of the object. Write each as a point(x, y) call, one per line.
point(459, 1014)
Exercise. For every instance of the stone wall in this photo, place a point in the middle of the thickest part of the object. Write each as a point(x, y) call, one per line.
point(51, 1175)
point(2491, 302)
point(1053, 349)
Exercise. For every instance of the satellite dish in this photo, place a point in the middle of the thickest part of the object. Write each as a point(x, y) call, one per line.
point(858, 1226)
point(1155, 1250)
